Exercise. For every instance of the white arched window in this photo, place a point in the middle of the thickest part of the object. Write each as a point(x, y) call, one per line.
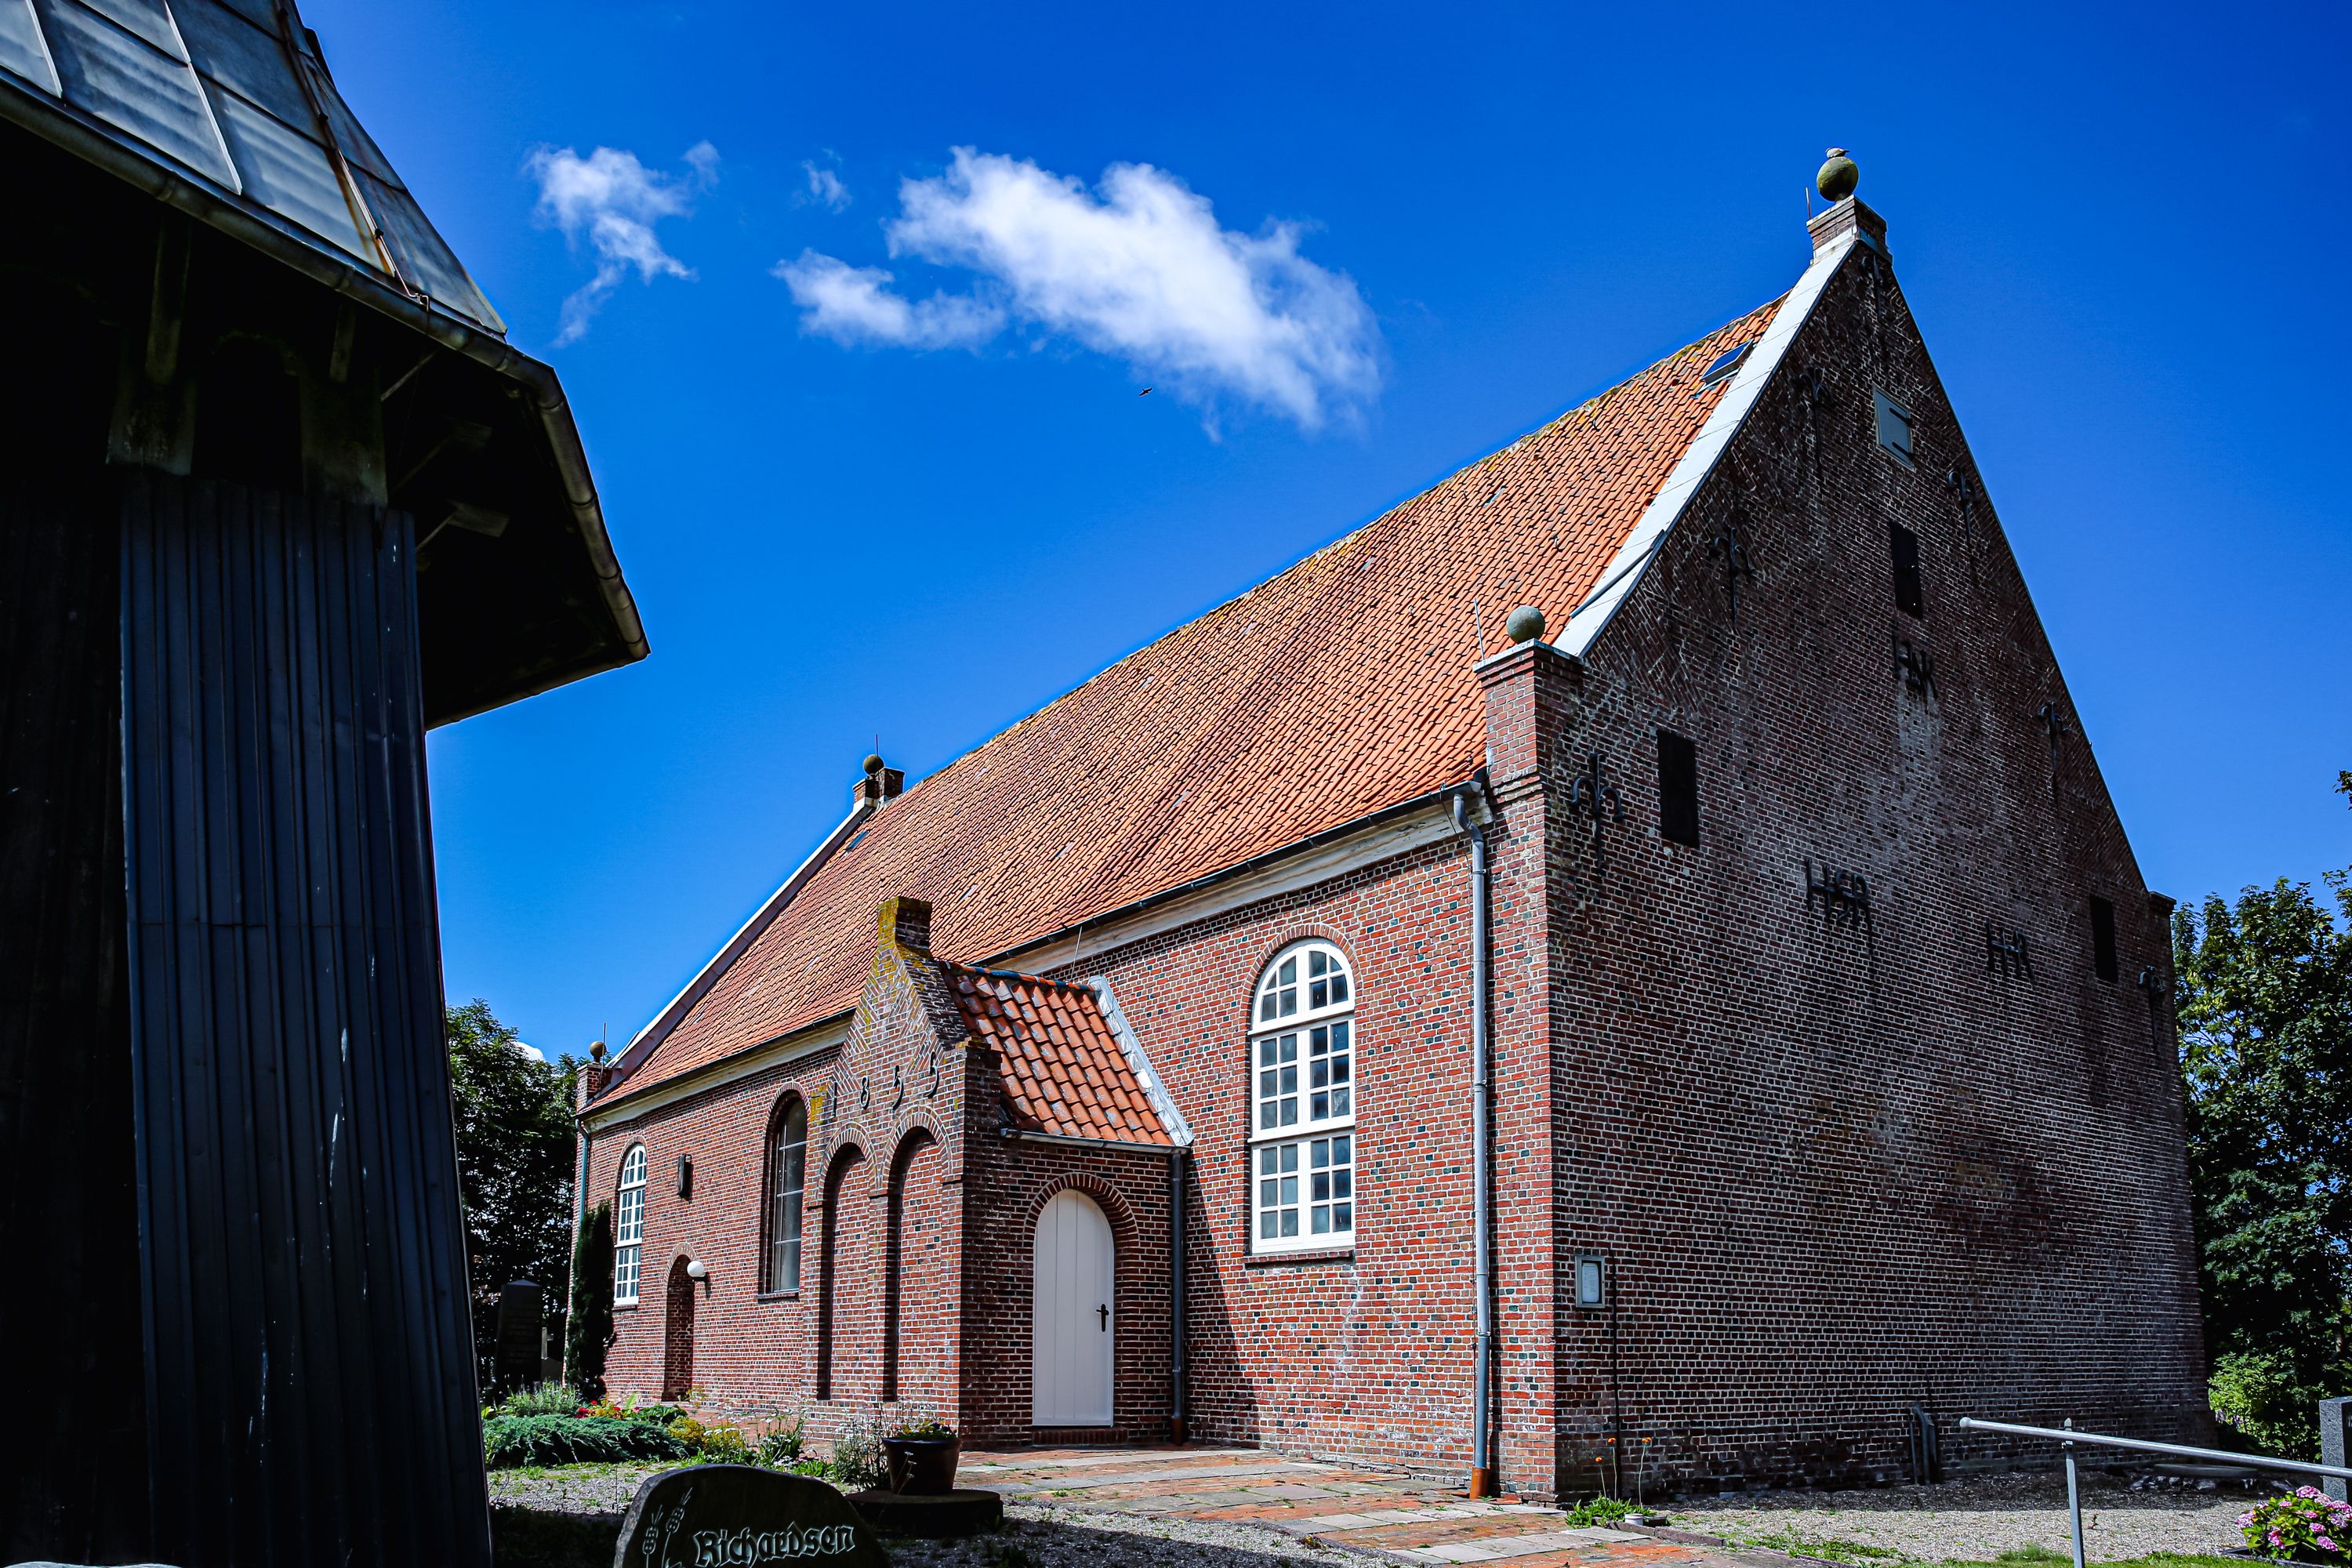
point(1303, 1102)
point(629, 1226)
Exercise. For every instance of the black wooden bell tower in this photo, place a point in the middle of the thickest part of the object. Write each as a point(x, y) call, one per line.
point(274, 496)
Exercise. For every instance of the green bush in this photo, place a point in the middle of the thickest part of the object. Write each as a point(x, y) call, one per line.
point(2257, 1395)
point(782, 1448)
point(718, 1443)
point(629, 1409)
point(547, 1399)
point(857, 1461)
point(509, 1441)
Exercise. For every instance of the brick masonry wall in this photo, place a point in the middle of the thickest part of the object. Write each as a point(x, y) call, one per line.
point(1363, 1352)
point(917, 1228)
point(1010, 1185)
point(1839, 1169)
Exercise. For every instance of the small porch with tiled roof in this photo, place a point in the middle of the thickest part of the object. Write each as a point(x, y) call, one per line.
point(1400, 1515)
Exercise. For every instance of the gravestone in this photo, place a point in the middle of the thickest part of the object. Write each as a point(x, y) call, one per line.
point(518, 1341)
point(2335, 1444)
point(740, 1516)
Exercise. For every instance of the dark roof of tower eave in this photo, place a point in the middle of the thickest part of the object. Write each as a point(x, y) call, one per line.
point(218, 97)
point(1339, 688)
point(207, 107)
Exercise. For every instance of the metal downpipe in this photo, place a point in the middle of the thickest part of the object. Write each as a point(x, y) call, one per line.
point(1177, 1157)
point(1483, 1478)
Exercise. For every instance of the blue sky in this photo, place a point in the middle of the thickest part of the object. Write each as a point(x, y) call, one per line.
point(919, 508)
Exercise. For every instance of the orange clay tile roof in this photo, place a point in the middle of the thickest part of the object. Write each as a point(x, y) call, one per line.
point(1062, 1069)
point(1338, 688)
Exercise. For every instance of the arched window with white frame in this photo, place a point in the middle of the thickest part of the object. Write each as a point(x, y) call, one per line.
point(629, 1226)
point(1303, 1101)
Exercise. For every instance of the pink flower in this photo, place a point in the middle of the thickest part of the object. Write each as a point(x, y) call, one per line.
point(2327, 1543)
point(2310, 1492)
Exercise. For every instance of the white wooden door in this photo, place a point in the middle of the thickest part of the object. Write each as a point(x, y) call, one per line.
point(1074, 1320)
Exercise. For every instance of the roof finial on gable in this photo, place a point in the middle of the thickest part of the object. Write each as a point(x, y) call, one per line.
point(1838, 177)
point(879, 785)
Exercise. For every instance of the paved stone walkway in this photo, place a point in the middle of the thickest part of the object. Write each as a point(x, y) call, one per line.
point(1405, 1517)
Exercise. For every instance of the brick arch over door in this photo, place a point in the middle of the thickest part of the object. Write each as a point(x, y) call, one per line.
point(836, 1273)
point(919, 1282)
point(1105, 1195)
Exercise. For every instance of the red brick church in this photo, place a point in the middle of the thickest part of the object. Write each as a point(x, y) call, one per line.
point(1718, 1019)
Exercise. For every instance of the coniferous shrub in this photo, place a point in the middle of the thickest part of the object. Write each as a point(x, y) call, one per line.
point(589, 1327)
point(509, 1441)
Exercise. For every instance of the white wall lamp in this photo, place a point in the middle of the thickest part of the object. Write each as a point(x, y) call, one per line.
point(1591, 1281)
point(696, 1271)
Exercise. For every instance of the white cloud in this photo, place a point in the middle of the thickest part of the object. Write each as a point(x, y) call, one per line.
point(854, 305)
point(534, 1052)
point(611, 202)
point(825, 186)
point(1137, 268)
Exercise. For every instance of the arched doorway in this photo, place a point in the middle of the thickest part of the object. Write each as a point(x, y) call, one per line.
point(913, 1179)
point(1073, 1321)
point(678, 1333)
point(831, 1275)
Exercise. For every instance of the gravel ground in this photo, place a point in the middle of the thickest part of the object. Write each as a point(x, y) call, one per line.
point(1978, 1518)
point(1071, 1537)
point(1970, 1520)
point(1034, 1536)
point(574, 1489)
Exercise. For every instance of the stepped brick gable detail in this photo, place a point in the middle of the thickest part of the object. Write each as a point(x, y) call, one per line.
point(1840, 1091)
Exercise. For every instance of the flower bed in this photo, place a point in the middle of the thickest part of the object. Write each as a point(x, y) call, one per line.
point(2305, 1527)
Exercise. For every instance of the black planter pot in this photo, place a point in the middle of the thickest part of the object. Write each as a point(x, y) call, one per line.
point(922, 1466)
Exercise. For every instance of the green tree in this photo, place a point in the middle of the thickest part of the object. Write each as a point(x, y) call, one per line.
point(589, 1329)
point(515, 1154)
point(2264, 1000)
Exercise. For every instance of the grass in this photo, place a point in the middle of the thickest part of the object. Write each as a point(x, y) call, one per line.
point(2035, 1556)
point(2038, 1556)
point(1833, 1549)
point(585, 1469)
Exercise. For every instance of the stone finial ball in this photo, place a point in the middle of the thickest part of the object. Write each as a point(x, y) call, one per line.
point(874, 764)
point(1525, 624)
point(1838, 176)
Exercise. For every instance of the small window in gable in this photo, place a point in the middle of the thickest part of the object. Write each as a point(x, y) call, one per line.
point(2103, 937)
point(1895, 428)
point(1724, 366)
point(1677, 788)
point(1910, 588)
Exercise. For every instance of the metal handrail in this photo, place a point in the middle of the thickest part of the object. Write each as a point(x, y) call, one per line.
point(2066, 1437)
point(2068, 1434)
